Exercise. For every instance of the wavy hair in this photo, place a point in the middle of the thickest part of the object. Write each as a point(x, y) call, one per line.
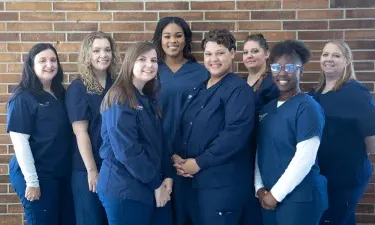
point(157, 39)
point(84, 61)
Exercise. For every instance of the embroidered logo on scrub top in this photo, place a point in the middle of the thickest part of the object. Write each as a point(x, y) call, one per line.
point(190, 96)
point(261, 117)
point(139, 107)
point(44, 104)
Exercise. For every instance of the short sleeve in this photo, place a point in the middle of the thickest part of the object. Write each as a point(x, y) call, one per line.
point(20, 114)
point(364, 105)
point(309, 121)
point(76, 102)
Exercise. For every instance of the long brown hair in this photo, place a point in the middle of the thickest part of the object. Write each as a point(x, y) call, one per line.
point(122, 91)
point(348, 74)
point(84, 61)
point(259, 38)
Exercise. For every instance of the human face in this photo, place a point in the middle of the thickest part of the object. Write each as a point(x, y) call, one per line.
point(173, 40)
point(218, 59)
point(332, 61)
point(101, 54)
point(45, 65)
point(254, 57)
point(287, 81)
point(145, 68)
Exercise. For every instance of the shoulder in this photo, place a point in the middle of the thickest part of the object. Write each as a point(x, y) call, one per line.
point(76, 84)
point(234, 81)
point(355, 87)
point(307, 103)
point(23, 96)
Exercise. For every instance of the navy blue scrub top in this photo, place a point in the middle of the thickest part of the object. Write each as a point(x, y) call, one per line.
point(84, 105)
point(215, 129)
point(44, 118)
point(267, 91)
point(350, 117)
point(280, 130)
point(134, 159)
point(174, 91)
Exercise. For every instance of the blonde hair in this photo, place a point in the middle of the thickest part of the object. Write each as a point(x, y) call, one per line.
point(84, 61)
point(348, 74)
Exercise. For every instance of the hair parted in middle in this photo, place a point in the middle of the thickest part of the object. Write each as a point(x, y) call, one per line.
point(348, 73)
point(122, 90)
point(259, 38)
point(84, 61)
point(158, 34)
point(221, 37)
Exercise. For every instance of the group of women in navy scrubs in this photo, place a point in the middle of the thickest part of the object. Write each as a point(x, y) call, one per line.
point(165, 136)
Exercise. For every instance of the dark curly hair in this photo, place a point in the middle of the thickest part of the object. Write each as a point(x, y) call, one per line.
point(221, 37)
point(293, 48)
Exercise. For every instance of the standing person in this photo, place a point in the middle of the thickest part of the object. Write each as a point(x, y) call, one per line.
point(178, 69)
point(255, 58)
point(97, 63)
point(349, 133)
point(135, 177)
point(213, 141)
point(287, 178)
point(39, 128)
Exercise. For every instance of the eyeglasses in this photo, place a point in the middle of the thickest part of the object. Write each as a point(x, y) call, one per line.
point(288, 68)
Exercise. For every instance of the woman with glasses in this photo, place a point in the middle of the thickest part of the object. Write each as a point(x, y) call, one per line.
point(291, 189)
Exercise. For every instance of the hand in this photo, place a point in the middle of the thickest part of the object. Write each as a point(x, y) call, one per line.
point(177, 159)
point(268, 201)
point(178, 162)
point(32, 193)
point(92, 177)
point(168, 184)
point(190, 167)
point(261, 193)
point(161, 196)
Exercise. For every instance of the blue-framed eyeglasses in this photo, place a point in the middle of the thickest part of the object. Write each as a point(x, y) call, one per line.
point(289, 68)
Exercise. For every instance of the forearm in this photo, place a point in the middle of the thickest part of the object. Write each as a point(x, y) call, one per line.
point(85, 149)
point(25, 158)
point(298, 168)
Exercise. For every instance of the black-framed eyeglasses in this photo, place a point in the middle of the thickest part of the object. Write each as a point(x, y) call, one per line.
point(288, 68)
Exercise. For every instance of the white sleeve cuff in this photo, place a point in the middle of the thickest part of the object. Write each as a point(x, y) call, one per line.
point(258, 182)
point(298, 168)
point(25, 158)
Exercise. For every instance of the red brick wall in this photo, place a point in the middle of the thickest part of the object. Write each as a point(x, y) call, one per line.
point(23, 24)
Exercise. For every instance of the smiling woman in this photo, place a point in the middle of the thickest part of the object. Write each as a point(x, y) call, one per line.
point(292, 191)
point(212, 143)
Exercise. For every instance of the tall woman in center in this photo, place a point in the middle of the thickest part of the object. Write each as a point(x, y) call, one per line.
point(178, 69)
point(213, 141)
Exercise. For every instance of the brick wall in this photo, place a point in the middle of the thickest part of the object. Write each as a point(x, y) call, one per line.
point(22, 24)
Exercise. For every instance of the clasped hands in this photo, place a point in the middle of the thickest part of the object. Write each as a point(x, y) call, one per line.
point(163, 193)
point(266, 199)
point(185, 167)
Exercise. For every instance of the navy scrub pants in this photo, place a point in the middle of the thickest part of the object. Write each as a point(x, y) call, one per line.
point(88, 208)
point(55, 206)
point(128, 212)
point(342, 205)
point(209, 206)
